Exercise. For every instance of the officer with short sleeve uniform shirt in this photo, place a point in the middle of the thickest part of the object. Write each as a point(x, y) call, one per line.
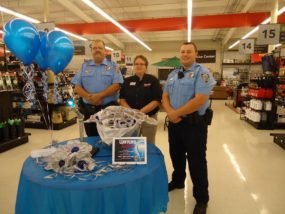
point(186, 99)
point(97, 83)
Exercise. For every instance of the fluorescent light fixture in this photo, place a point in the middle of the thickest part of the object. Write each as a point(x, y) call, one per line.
point(237, 42)
point(266, 21)
point(189, 20)
point(71, 34)
point(106, 16)
point(19, 15)
point(29, 19)
point(250, 32)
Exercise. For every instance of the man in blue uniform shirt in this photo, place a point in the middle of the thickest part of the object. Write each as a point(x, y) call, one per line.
point(97, 83)
point(186, 101)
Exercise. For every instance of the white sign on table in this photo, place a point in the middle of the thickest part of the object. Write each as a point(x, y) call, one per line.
point(268, 34)
point(129, 150)
point(246, 46)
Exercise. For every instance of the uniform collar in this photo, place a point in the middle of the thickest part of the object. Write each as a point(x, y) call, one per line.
point(92, 63)
point(138, 79)
point(191, 69)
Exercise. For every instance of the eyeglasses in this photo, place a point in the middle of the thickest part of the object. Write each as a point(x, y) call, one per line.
point(141, 64)
point(180, 74)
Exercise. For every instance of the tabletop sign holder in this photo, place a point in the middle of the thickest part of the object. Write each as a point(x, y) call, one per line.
point(129, 150)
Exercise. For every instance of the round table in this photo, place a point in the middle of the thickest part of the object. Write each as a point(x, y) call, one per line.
point(141, 190)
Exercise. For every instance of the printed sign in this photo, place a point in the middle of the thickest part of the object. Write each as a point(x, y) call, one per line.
point(268, 34)
point(246, 46)
point(129, 60)
point(79, 47)
point(206, 56)
point(129, 150)
point(116, 56)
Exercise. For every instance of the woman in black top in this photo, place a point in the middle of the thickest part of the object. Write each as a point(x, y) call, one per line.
point(143, 92)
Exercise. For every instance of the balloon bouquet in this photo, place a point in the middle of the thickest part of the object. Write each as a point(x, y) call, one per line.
point(52, 50)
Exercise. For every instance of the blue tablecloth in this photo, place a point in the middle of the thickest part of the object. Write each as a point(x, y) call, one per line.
point(142, 190)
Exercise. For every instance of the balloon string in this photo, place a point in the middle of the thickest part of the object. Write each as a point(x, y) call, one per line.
point(30, 91)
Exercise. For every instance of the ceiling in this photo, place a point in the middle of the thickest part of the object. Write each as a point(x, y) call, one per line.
point(155, 11)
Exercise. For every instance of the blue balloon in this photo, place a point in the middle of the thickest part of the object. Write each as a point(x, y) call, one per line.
point(43, 46)
point(59, 51)
point(22, 38)
point(40, 60)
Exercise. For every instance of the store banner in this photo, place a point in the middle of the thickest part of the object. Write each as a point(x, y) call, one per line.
point(206, 56)
point(268, 34)
point(79, 47)
point(260, 49)
point(282, 33)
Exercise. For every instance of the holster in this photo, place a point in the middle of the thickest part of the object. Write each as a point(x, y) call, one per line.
point(196, 119)
point(208, 116)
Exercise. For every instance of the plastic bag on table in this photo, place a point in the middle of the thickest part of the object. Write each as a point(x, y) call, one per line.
point(118, 121)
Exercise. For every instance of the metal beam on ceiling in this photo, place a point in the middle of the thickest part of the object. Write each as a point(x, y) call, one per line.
point(164, 24)
point(78, 12)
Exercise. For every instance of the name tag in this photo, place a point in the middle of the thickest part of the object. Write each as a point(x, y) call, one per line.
point(132, 83)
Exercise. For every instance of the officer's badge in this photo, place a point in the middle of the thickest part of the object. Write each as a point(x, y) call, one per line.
point(191, 74)
point(87, 72)
point(205, 77)
point(108, 68)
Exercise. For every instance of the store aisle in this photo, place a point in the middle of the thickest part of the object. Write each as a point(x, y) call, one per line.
point(246, 169)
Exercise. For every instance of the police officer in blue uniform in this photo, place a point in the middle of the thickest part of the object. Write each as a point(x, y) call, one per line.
point(97, 83)
point(186, 101)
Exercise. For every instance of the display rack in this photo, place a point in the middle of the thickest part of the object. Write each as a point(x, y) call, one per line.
point(279, 139)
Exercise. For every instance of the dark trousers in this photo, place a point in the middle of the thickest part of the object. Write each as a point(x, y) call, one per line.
point(87, 110)
point(188, 141)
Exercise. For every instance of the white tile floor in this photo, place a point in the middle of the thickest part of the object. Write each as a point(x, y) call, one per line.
point(246, 169)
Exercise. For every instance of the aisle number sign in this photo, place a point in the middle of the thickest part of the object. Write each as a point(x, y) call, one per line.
point(246, 46)
point(116, 56)
point(268, 34)
point(129, 60)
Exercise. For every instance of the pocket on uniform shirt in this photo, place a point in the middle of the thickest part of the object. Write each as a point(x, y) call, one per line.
point(187, 86)
point(107, 78)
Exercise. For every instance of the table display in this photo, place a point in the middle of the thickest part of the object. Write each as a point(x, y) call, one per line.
point(141, 189)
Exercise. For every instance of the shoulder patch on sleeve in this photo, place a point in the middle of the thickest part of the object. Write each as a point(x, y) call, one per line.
point(205, 77)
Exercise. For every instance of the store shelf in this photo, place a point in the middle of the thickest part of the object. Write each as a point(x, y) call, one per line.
point(35, 125)
point(279, 139)
point(263, 126)
point(241, 64)
point(64, 124)
point(4, 146)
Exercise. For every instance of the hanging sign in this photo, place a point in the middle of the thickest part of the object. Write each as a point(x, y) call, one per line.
point(268, 34)
point(116, 55)
point(246, 46)
point(282, 33)
point(129, 60)
point(206, 56)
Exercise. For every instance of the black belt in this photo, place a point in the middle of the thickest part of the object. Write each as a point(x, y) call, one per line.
point(98, 107)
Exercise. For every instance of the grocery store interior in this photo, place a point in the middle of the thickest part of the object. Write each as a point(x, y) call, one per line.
point(246, 140)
